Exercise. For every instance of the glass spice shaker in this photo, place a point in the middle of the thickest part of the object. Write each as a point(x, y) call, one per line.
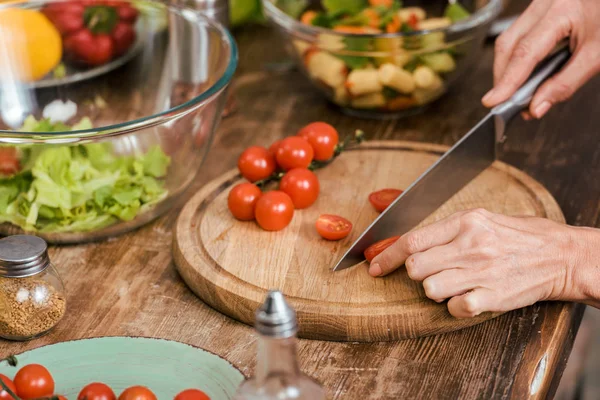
point(278, 375)
point(32, 295)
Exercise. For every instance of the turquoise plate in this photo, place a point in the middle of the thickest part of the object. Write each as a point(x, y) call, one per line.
point(164, 366)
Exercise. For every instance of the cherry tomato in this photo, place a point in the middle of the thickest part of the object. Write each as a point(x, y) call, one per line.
point(333, 227)
point(242, 201)
point(256, 163)
point(8, 383)
point(9, 162)
point(96, 391)
point(322, 137)
point(192, 394)
point(373, 250)
point(123, 36)
point(34, 381)
point(294, 152)
point(302, 185)
point(382, 199)
point(88, 48)
point(127, 13)
point(273, 148)
point(137, 393)
point(274, 210)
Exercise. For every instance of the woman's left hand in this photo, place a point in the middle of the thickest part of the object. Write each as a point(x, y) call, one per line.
point(489, 262)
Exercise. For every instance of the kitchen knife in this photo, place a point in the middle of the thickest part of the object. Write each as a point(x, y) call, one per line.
point(470, 156)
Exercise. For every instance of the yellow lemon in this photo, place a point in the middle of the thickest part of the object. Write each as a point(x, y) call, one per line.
point(30, 46)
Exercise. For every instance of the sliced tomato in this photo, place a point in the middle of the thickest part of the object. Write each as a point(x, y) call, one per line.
point(382, 199)
point(10, 385)
point(375, 249)
point(9, 161)
point(333, 227)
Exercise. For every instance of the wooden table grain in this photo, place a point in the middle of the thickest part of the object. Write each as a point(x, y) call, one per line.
point(129, 286)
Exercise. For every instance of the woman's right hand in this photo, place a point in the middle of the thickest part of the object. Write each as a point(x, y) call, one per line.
point(532, 37)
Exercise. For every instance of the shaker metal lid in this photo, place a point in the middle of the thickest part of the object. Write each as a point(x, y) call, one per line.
point(22, 256)
point(275, 317)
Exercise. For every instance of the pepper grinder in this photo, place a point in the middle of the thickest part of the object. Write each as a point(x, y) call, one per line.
point(278, 375)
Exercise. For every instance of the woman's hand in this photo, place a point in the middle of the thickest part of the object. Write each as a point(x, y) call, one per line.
point(533, 36)
point(489, 262)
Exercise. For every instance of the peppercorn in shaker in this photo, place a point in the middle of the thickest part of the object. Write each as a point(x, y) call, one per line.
point(32, 295)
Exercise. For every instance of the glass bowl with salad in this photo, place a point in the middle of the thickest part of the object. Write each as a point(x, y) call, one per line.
point(107, 136)
point(383, 58)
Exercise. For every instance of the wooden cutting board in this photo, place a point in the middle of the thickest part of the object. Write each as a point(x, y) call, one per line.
point(231, 264)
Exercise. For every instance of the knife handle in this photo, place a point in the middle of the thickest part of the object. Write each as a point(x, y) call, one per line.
point(522, 97)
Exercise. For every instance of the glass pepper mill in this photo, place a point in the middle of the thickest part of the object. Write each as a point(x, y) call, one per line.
point(278, 375)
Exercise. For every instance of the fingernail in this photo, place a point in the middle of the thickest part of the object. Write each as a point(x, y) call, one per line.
point(542, 109)
point(526, 116)
point(488, 96)
point(375, 270)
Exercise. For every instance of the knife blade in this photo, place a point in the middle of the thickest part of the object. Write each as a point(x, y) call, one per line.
point(470, 156)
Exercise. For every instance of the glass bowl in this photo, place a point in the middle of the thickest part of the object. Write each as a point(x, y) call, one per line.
point(100, 143)
point(386, 75)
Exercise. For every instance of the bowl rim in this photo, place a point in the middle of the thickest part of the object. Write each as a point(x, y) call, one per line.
point(478, 18)
point(24, 137)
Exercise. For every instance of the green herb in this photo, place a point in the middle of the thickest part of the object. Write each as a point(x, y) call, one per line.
point(293, 8)
point(322, 20)
point(79, 188)
point(456, 12)
point(358, 44)
point(390, 93)
point(346, 6)
point(413, 64)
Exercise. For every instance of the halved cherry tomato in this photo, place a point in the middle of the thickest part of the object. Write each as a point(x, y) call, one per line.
point(96, 391)
point(274, 210)
point(192, 394)
point(384, 3)
point(333, 227)
point(34, 381)
point(273, 148)
point(375, 249)
point(308, 16)
point(242, 200)
point(10, 385)
point(413, 21)
point(302, 185)
point(294, 152)
point(322, 137)
point(256, 163)
point(137, 393)
point(9, 161)
point(382, 199)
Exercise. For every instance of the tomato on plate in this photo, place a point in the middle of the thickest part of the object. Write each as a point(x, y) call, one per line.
point(137, 393)
point(96, 391)
point(273, 148)
point(294, 152)
point(256, 163)
point(192, 394)
point(375, 249)
point(333, 227)
point(34, 381)
point(322, 137)
point(274, 210)
point(302, 185)
point(382, 199)
point(242, 200)
point(11, 386)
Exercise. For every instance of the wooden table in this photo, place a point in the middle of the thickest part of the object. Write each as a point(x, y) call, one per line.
point(129, 286)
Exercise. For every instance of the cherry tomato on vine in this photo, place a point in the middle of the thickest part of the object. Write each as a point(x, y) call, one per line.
point(375, 249)
point(294, 152)
point(34, 381)
point(274, 210)
point(96, 391)
point(333, 227)
point(273, 148)
point(242, 200)
point(137, 393)
point(382, 199)
point(256, 163)
point(322, 137)
point(192, 394)
point(3, 393)
point(302, 185)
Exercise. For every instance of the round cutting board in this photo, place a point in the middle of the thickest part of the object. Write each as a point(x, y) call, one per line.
point(231, 264)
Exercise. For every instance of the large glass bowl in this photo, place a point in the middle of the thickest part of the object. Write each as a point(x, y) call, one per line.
point(345, 66)
point(153, 110)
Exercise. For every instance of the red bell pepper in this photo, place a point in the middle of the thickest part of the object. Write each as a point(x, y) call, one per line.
point(94, 31)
